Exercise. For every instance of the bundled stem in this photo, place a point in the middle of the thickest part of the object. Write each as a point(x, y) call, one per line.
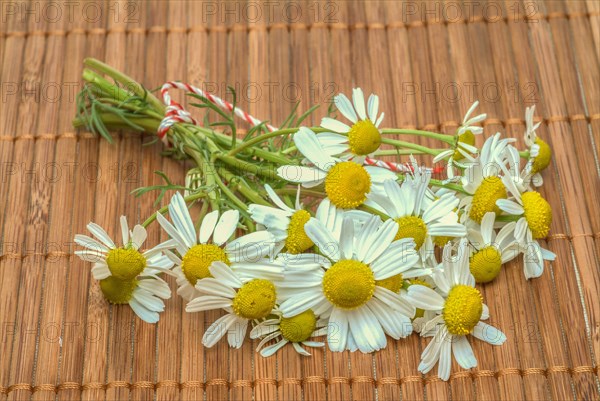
point(233, 170)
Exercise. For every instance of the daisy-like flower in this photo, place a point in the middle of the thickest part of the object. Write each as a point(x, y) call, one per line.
point(246, 292)
point(286, 224)
point(464, 148)
point(416, 218)
point(487, 179)
point(539, 150)
point(491, 251)
point(359, 140)
point(347, 183)
point(535, 217)
point(198, 251)
point(296, 330)
point(356, 284)
point(126, 275)
point(459, 310)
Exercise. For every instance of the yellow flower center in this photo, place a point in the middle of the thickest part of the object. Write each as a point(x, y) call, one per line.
point(442, 241)
point(117, 291)
point(485, 264)
point(463, 309)
point(419, 312)
point(347, 185)
point(297, 241)
point(542, 160)
point(196, 262)
point(412, 227)
point(393, 283)
point(125, 263)
point(485, 197)
point(364, 138)
point(348, 284)
point(255, 299)
point(538, 214)
point(466, 137)
point(298, 328)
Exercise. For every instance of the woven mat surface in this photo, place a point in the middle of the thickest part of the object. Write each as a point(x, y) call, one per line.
point(427, 61)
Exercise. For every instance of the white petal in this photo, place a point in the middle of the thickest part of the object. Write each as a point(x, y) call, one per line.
point(99, 233)
point(300, 303)
point(226, 226)
point(334, 125)
point(308, 144)
point(424, 298)
point(510, 207)
point(323, 238)
point(139, 236)
point(366, 330)
point(463, 353)
point(217, 330)
point(489, 334)
point(100, 271)
point(208, 226)
point(124, 230)
point(143, 313)
point(380, 241)
point(90, 256)
point(445, 362)
point(277, 200)
point(181, 218)
point(235, 337)
point(344, 105)
point(90, 243)
point(309, 176)
point(223, 273)
point(271, 349)
point(172, 231)
point(207, 302)
point(373, 104)
point(359, 102)
point(337, 335)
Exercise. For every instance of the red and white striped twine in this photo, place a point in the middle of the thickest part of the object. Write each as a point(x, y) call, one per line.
point(177, 114)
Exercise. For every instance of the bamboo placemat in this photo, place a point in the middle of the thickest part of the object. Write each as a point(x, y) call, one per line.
point(427, 61)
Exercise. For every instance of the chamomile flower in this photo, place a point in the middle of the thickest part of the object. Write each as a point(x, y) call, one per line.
point(359, 140)
point(459, 310)
point(347, 183)
point(196, 252)
point(355, 284)
point(491, 251)
point(465, 148)
point(417, 218)
point(126, 275)
point(539, 150)
point(245, 292)
point(125, 262)
point(535, 217)
point(296, 330)
point(487, 179)
point(286, 224)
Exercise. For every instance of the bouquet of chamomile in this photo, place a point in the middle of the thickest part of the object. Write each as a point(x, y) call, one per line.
point(305, 237)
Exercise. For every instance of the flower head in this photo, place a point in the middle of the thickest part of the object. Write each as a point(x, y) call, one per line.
point(127, 275)
point(459, 311)
point(356, 283)
point(246, 292)
point(296, 330)
point(358, 140)
point(347, 184)
point(464, 148)
point(197, 251)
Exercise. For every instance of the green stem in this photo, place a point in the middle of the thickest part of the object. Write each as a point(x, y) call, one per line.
point(449, 139)
point(128, 82)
